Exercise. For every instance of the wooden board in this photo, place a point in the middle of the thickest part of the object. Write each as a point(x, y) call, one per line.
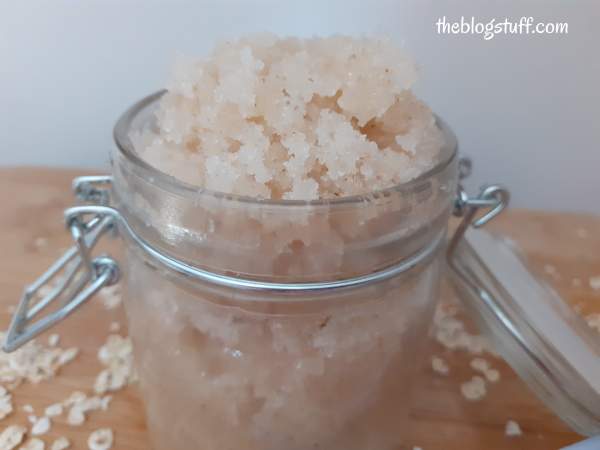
point(32, 202)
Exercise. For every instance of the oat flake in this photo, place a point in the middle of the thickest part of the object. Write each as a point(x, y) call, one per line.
point(54, 410)
point(595, 283)
point(117, 357)
point(6, 406)
point(62, 443)
point(101, 439)
point(474, 389)
point(439, 365)
point(41, 426)
point(11, 437)
point(512, 429)
point(33, 363)
point(80, 405)
point(53, 340)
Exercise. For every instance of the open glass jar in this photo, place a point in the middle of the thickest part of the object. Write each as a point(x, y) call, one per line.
point(270, 325)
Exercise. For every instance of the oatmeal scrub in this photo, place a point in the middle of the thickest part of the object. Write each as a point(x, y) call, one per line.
point(293, 119)
point(283, 161)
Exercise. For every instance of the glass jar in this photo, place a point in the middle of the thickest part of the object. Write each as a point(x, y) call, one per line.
point(270, 325)
point(265, 369)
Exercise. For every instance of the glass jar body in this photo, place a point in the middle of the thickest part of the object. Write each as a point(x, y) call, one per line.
point(219, 370)
point(260, 369)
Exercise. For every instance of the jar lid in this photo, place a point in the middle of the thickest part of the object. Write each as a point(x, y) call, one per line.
point(551, 347)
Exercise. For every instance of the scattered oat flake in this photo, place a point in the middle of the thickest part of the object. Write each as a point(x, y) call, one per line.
point(32, 363)
point(450, 332)
point(551, 270)
point(114, 327)
point(103, 382)
point(54, 410)
point(75, 397)
point(40, 242)
point(480, 364)
point(80, 404)
point(512, 429)
point(11, 437)
point(117, 357)
point(105, 402)
point(595, 283)
point(439, 365)
point(62, 443)
point(483, 366)
point(68, 355)
point(474, 389)
point(32, 418)
point(75, 417)
point(53, 340)
point(101, 439)
point(33, 444)
point(582, 233)
point(115, 348)
point(28, 409)
point(492, 375)
point(41, 426)
point(111, 296)
point(593, 320)
point(6, 406)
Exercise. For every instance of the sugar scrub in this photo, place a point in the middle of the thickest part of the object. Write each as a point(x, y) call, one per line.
point(234, 368)
point(293, 119)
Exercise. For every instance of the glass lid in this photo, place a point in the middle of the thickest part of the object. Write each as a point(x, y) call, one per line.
point(550, 346)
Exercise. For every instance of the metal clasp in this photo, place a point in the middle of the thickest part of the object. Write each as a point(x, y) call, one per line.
point(494, 198)
point(83, 276)
point(75, 277)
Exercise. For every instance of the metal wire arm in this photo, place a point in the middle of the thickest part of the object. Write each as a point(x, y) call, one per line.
point(73, 279)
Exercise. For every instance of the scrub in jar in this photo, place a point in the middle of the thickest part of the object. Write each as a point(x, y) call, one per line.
point(294, 119)
point(301, 154)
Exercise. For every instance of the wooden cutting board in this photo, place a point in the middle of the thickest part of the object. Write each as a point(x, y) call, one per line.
point(32, 201)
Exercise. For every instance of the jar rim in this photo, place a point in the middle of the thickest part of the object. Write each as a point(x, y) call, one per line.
point(121, 138)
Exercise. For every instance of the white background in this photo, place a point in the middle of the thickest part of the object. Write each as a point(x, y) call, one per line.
point(526, 108)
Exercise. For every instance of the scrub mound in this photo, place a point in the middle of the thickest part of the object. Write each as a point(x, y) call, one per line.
point(298, 119)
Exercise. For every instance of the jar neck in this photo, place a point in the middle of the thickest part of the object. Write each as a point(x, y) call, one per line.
point(279, 242)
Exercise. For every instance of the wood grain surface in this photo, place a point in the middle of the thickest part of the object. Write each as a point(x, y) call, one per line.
point(32, 201)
